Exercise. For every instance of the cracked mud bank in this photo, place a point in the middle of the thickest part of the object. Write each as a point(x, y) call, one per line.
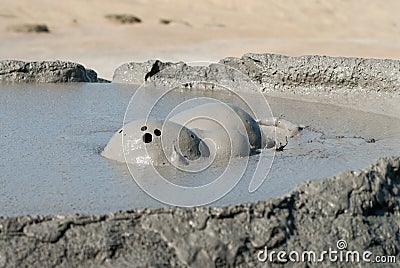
point(361, 207)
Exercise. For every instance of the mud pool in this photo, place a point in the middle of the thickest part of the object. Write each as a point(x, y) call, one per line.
point(52, 135)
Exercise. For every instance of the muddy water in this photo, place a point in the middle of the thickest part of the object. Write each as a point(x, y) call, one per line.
point(51, 137)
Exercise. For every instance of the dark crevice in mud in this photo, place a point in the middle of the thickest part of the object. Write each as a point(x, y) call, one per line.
point(154, 70)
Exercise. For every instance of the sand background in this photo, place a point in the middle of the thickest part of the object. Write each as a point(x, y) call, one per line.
point(200, 30)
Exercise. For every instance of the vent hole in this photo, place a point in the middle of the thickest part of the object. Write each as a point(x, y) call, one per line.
point(147, 138)
point(144, 128)
point(157, 132)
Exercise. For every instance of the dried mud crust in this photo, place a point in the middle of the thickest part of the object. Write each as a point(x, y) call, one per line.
point(361, 207)
point(13, 71)
point(275, 72)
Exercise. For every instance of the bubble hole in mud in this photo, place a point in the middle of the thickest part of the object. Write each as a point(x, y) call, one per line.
point(147, 138)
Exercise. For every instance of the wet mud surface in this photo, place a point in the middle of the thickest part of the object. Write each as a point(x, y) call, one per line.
point(52, 137)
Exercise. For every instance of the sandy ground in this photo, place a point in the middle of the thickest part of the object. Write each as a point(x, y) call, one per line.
point(200, 30)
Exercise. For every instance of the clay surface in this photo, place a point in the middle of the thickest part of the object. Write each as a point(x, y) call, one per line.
point(361, 207)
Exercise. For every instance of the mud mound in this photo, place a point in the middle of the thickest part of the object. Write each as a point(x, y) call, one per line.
point(13, 71)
